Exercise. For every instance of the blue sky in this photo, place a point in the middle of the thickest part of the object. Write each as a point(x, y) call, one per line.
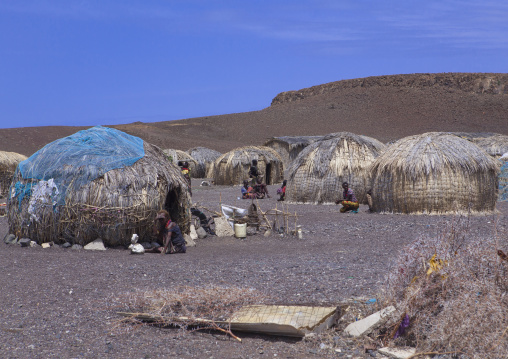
point(79, 62)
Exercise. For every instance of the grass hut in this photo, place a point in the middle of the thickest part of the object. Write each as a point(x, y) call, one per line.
point(317, 174)
point(97, 183)
point(503, 178)
point(176, 156)
point(288, 147)
point(233, 167)
point(8, 163)
point(434, 173)
point(204, 158)
point(495, 145)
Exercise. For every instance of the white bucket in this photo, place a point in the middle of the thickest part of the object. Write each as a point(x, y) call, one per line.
point(240, 230)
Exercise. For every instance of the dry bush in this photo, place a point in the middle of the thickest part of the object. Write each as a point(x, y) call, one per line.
point(201, 308)
point(454, 289)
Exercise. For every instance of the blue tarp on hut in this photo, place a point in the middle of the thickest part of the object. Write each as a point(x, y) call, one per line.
point(73, 161)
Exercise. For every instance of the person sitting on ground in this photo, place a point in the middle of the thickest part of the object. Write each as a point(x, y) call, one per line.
point(282, 191)
point(247, 191)
point(261, 189)
point(254, 172)
point(168, 233)
point(349, 201)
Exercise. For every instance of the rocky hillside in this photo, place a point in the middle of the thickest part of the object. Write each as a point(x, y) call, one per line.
point(467, 82)
point(383, 107)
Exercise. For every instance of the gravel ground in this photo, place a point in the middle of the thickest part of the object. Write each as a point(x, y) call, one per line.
point(56, 302)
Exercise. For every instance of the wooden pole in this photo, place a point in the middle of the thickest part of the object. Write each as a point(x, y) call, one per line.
point(275, 224)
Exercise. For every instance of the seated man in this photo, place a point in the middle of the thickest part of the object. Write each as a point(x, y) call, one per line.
point(349, 203)
point(247, 191)
point(168, 233)
point(260, 189)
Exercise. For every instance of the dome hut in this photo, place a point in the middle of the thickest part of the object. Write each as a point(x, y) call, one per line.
point(8, 163)
point(317, 174)
point(495, 145)
point(434, 173)
point(96, 183)
point(204, 158)
point(288, 147)
point(503, 178)
point(177, 156)
point(233, 167)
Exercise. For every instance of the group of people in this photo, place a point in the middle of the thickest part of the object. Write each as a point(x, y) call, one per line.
point(169, 234)
point(255, 188)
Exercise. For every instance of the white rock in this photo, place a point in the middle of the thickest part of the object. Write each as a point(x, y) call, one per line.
point(97, 245)
point(201, 233)
point(193, 233)
point(397, 353)
point(137, 249)
point(223, 228)
point(189, 242)
point(366, 325)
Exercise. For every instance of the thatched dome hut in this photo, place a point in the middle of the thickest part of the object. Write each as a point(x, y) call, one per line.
point(317, 174)
point(434, 173)
point(204, 158)
point(97, 183)
point(177, 156)
point(289, 147)
point(503, 178)
point(8, 163)
point(494, 144)
point(233, 167)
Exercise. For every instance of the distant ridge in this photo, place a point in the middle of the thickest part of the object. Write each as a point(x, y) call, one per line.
point(480, 83)
point(383, 107)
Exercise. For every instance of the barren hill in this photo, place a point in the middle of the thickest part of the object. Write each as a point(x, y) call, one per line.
point(384, 107)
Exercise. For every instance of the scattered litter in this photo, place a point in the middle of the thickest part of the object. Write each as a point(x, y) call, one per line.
point(366, 325)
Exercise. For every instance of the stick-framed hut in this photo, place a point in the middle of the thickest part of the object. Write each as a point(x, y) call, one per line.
point(204, 158)
point(232, 167)
point(434, 173)
point(318, 172)
point(289, 147)
point(178, 156)
point(8, 163)
point(97, 183)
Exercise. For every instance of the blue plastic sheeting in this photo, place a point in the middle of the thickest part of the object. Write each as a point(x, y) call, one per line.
point(503, 182)
point(78, 159)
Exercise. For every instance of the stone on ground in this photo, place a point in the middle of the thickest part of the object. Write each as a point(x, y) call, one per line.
point(24, 242)
point(201, 233)
point(397, 353)
point(96, 245)
point(10, 239)
point(189, 242)
point(193, 233)
point(223, 228)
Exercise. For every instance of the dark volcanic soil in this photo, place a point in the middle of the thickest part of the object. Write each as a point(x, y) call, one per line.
point(55, 301)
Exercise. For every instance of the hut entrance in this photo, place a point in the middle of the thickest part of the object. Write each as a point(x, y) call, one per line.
point(172, 206)
point(268, 174)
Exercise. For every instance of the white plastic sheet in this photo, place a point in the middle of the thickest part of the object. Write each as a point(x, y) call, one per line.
point(43, 193)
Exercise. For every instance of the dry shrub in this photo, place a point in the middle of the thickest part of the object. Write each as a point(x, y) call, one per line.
point(201, 308)
point(454, 289)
